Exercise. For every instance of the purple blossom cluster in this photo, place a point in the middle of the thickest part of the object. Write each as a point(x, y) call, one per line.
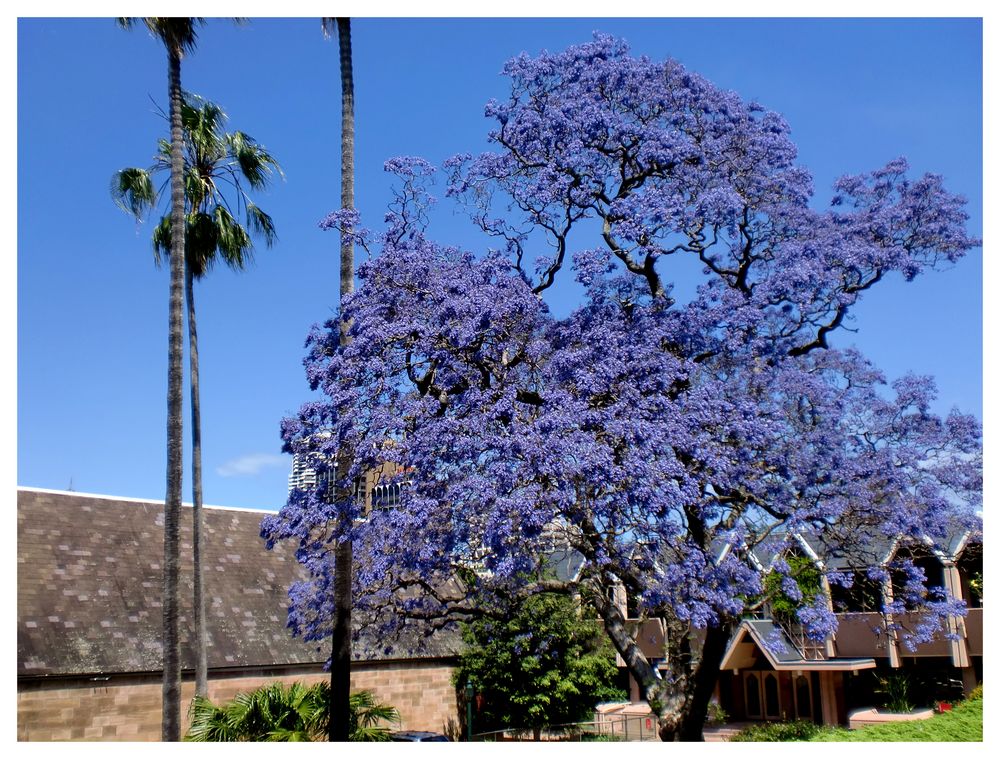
point(644, 433)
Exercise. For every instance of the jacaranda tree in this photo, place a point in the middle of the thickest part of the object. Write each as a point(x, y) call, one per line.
point(648, 430)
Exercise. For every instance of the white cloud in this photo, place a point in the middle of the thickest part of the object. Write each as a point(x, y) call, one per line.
point(251, 464)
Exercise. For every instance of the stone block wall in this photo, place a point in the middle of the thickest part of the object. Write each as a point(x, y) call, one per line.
point(129, 709)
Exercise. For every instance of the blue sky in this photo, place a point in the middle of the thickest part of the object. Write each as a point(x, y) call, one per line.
point(92, 308)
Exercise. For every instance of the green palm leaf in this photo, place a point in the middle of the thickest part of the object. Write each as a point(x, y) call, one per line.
point(209, 723)
point(214, 161)
point(292, 713)
point(255, 163)
point(261, 224)
point(132, 190)
point(176, 33)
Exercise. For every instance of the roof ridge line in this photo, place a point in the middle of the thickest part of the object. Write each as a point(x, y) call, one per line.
point(129, 499)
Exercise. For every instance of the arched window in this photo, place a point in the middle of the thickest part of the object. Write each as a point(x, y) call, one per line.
point(386, 496)
point(752, 688)
point(803, 698)
point(772, 702)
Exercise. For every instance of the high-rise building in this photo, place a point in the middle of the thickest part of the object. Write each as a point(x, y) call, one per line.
point(302, 475)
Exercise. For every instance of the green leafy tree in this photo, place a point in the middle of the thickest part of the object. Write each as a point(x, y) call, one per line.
point(541, 664)
point(283, 713)
point(178, 36)
point(806, 577)
point(217, 164)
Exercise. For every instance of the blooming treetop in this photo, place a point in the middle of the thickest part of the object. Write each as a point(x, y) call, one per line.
point(646, 431)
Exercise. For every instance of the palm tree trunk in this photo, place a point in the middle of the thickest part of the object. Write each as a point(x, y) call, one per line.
point(197, 535)
point(340, 659)
point(175, 426)
point(346, 151)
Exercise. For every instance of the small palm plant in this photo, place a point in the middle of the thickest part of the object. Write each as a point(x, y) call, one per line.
point(286, 713)
point(367, 714)
point(896, 691)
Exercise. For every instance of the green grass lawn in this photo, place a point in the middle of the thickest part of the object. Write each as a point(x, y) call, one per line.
point(963, 723)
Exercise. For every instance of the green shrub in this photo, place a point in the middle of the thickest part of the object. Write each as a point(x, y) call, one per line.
point(716, 714)
point(774, 732)
point(976, 693)
point(537, 663)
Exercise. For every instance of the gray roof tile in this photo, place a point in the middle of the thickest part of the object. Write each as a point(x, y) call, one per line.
point(89, 590)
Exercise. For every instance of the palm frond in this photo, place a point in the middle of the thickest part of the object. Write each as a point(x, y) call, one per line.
point(255, 162)
point(234, 243)
point(208, 722)
point(292, 713)
point(161, 242)
point(369, 712)
point(201, 240)
point(288, 736)
point(175, 33)
point(204, 127)
point(199, 189)
point(133, 192)
point(162, 153)
point(366, 714)
point(261, 224)
point(221, 221)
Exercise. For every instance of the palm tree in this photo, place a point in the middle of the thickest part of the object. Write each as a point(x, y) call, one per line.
point(178, 35)
point(213, 159)
point(293, 713)
point(340, 662)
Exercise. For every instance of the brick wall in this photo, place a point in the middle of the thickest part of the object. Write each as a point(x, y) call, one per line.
point(130, 710)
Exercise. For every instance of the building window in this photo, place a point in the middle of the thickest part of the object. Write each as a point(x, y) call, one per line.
point(387, 496)
point(772, 701)
point(751, 686)
point(803, 698)
point(864, 595)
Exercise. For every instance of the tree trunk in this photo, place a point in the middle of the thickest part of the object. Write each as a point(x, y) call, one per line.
point(197, 535)
point(692, 725)
point(680, 708)
point(171, 726)
point(340, 660)
point(346, 150)
point(536, 733)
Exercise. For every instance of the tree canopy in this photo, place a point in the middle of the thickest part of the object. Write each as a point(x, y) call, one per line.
point(649, 432)
point(545, 662)
point(217, 164)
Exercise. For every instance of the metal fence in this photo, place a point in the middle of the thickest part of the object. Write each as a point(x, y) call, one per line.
point(611, 727)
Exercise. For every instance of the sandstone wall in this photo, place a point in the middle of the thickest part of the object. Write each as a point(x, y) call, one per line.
point(129, 710)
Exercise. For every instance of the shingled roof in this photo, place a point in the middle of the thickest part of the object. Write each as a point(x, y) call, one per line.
point(89, 590)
